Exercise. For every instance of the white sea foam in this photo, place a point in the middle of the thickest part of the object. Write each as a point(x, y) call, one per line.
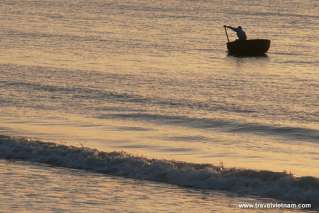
point(277, 185)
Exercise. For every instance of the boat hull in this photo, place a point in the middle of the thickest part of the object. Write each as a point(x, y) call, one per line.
point(252, 47)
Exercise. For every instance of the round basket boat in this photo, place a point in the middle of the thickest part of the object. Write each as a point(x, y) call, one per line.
point(252, 47)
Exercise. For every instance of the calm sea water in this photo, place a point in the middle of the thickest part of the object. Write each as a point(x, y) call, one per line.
point(153, 78)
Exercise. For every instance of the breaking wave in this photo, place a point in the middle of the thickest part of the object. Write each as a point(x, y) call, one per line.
point(278, 185)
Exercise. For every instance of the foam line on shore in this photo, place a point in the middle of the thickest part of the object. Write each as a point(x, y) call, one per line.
point(278, 185)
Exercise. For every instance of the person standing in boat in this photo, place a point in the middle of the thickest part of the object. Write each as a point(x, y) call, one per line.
point(239, 31)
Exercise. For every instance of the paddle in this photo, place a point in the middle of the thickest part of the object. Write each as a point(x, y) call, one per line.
point(226, 32)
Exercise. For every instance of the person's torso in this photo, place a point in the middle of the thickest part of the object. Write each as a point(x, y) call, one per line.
point(241, 34)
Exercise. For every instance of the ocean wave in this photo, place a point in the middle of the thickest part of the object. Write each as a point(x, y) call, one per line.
point(77, 92)
point(290, 132)
point(278, 185)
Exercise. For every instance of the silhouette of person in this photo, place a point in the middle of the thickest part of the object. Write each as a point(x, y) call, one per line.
point(239, 31)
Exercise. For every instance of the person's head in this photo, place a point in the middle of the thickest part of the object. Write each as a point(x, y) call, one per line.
point(239, 27)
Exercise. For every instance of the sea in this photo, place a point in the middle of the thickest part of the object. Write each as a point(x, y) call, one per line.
point(135, 106)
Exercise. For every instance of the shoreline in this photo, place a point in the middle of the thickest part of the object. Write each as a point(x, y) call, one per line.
point(266, 184)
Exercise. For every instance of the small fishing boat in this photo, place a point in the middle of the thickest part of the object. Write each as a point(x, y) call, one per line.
point(252, 47)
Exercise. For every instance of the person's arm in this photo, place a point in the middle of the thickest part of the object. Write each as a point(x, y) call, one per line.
point(232, 28)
